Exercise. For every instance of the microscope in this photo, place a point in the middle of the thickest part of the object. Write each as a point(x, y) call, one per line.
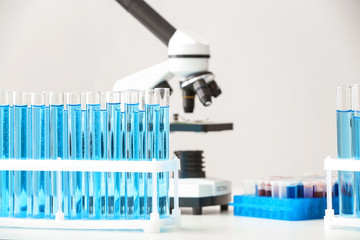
point(188, 59)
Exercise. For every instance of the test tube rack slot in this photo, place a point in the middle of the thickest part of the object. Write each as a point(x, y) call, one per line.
point(331, 220)
point(152, 225)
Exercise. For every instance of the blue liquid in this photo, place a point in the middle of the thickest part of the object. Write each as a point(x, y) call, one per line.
point(123, 157)
point(30, 179)
point(94, 151)
point(75, 153)
point(41, 179)
point(357, 157)
point(291, 191)
point(142, 156)
point(84, 155)
point(103, 156)
point(56, 149)
point(152, 134)
point(163, 178)
point(20, 152)
point(114, 151)
point(345, 150)
point(132, 154)
point(5, 154)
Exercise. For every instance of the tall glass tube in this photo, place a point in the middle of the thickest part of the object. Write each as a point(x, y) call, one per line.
point(152, 103)
point(356, 142)
point(41, 195)
point(29, 155)
point(344, 117)
point(84, 155)
point(94, 151)
point(74, 150)
point(132, 152)
point(103, 156)
point(142, 153)
point(163, 143)
point(113, 152)
point(56, 109)
point(122, 157)
point(20, 152)
point(5, 192)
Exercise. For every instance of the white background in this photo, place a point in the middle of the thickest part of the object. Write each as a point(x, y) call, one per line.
point(278, 63)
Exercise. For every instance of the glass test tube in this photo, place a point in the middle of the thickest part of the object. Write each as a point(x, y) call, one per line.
point(268, 188)
point(84, 155)
point(142, 152)
point(344, 117)
point(132, 152)
point(114, 152)
point(122, 156)
point(21, 187)
point(73, 180)
point(152, 102)
point(308, 189)
point(41, 179)
point(356, 143)
point(94, 151)
point(163, 148)
point(5, 176)
point(275, 188)
point(56, 109)
point(103, 155)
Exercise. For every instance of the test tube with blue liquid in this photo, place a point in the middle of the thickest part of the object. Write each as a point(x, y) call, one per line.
point(163, 148)
point(56, 110)
point(21, 131)
point(84, 155)
point(356, 145)
point(152, 103)
point(41, 179)
point(5, 176)
point(123, 157)
point(103, 155)
point(73, 180)
point(132, 152)
point(114, 152)
point(344, 116)
point(94, 152)
point(142, 153)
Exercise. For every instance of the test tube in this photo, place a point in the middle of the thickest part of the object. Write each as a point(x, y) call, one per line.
point(122, 156)
point(267, 188)
point(5, 176)
point(93, 110)
point(299, 189)
point(319, 189)
point(21, 131)
point(356, 143)
point(103, 156)
point(275, 188)
point(84, 155)
point(308, 189)
point(114, 152)
point(152, 105)
point(73, 196)
point(291, 189)
point(56, 109)
point(142, 152)
point(41, 179)
point(163, 148)
point(283, 189)
point(132, 152)
point(344, 116)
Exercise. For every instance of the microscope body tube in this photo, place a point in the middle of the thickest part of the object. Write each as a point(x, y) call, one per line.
point(152, 131)
point(56, 111)
point(5, 191)
point(344, 117)
point(41, 179)
point(114, 152)
point(132, 152)
point(72, 183)
point(163, 149)
point(94, 152)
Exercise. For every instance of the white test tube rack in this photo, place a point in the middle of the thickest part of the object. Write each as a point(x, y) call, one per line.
point(331, 220)
point(152, 225)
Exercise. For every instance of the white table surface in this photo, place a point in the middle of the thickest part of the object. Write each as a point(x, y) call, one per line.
point(211, 225)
